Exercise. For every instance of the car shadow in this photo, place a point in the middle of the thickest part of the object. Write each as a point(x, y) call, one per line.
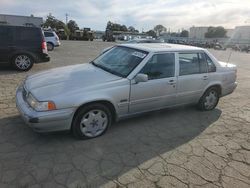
point(94, 162)
point(5, 69)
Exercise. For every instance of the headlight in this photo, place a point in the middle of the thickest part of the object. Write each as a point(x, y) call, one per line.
point(40, 106)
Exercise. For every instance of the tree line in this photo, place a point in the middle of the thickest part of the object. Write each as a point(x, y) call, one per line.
point(54, 23)
point(72, 26)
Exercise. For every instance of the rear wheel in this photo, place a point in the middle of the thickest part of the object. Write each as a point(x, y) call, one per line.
point(91, 121)
point(209, 100)
point(50, 46)
point(22, 62)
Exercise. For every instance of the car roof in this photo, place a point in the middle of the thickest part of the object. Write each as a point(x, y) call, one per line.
point(161, 47)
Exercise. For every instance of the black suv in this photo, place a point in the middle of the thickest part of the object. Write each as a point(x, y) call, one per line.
point(22, 46)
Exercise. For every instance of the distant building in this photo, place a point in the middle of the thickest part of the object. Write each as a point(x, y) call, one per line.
point(21, 20)
point(241, 33)
point(198, 32)
point(229, 33)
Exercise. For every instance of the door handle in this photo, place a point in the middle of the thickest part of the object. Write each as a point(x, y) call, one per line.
point(171, 82)
point(205, 77)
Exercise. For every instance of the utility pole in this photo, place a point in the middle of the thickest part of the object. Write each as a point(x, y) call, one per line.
point(66, 15)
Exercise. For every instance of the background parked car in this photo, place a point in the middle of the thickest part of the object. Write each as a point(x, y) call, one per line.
point(52, 40)
point(22, 46)
point(245, 48)
point(135, 41)
point(219, 46)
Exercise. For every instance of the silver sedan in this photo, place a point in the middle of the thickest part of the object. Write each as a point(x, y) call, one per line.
point(126, 80)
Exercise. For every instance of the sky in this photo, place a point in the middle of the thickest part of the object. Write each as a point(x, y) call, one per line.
point(142, 14)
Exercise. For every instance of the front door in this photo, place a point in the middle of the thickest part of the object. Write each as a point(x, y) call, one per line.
point(160, 89)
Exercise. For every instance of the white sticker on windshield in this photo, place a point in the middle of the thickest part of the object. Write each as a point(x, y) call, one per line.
point(139, 54)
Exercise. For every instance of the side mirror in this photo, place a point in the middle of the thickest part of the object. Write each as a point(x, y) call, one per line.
point(141, 78)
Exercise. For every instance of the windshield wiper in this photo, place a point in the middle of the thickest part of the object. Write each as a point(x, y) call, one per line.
point(106, 69)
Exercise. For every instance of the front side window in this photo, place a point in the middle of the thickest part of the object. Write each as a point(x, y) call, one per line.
point(160, 66)
point(119, 60)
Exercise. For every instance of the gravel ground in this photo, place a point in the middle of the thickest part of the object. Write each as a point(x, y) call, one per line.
point(179, 147)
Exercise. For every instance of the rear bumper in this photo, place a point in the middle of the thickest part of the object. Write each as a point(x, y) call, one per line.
point(43, 58)
point(48, 121)
point(229, 89)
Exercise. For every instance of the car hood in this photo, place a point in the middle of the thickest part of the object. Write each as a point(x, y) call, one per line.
point(45, 85)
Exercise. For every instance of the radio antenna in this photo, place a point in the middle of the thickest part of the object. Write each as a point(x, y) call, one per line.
point(230, 54)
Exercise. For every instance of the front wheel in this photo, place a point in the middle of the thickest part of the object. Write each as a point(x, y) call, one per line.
point(209, 100)
point(91, 121)
point(22, 62)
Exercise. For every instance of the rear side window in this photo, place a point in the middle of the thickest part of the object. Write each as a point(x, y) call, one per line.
point(28, 34)
point(192, 63)
point(48, 34)
point(210, 64)
point(160, 66)
point(6, 35)
point(189, 63)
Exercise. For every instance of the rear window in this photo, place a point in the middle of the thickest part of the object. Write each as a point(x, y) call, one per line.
point(28, 34)
point(48, 34)
point(6, 35)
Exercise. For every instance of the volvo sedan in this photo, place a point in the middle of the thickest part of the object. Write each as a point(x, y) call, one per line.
point(128, 79)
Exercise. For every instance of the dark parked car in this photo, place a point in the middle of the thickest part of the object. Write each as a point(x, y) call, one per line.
point(219, 46)
point(22, 46)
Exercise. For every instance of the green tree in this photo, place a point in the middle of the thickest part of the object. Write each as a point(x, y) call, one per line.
point(159, 29)
point(72, 25)
point(109, 26)
point(151, 33)
point(67, 31)
point(123, 28)
point(131, 29)
point(116, 27)
point(184, 33)
point(60, 25)
point(53, 23)
point(216, 32)
point(50, 21)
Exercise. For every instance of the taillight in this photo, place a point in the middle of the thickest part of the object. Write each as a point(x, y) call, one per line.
point(44, 47)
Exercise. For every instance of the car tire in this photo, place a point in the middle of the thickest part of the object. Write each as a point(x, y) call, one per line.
point(91, 121)
point(50, 46)
point(209, 100)
point(22, 62)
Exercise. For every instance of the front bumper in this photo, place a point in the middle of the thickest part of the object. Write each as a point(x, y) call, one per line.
point(57, 43)
point(48, 121)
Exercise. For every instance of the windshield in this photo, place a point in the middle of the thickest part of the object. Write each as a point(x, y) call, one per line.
point(120, 61)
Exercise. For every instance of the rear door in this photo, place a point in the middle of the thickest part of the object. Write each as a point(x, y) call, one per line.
point(28, 38)
point(6, 44)
point(193, 77)
point(160, 90)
